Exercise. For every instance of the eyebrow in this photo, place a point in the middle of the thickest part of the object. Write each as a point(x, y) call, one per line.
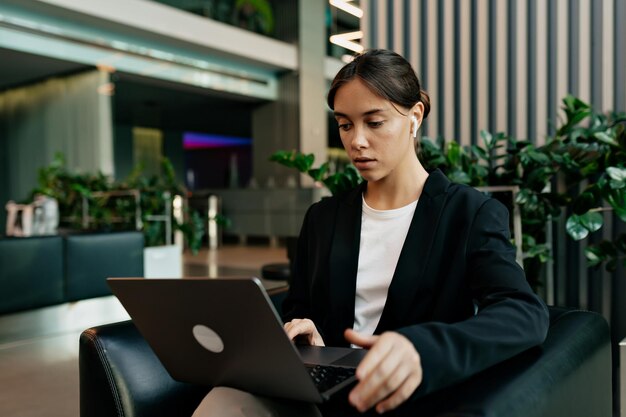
point(367, 113)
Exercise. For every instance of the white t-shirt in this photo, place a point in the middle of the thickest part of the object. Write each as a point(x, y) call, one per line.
point(382, 236)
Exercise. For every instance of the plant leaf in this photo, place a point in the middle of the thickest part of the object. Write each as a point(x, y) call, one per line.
point(594, 255)
point(575, 228)
point(617, 200)
point(453, 153)
point(606, 138)
point(487, 138)
point(616, 185)
point(617, 174)
point(592, 221)
point(459, 177)
point(318, 174)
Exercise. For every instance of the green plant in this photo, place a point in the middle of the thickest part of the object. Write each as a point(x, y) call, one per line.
point(593, 152)
point(581, 170)
point(337, 182)
point(70, 188)
point(107, 213)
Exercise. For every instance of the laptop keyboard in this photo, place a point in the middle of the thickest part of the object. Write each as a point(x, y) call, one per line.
point(327, 376)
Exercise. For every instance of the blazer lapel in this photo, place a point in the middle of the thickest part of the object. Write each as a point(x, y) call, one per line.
point(344, 256)
point(409, 273)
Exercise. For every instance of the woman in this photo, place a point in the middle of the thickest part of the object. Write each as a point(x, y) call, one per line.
point(416, 269)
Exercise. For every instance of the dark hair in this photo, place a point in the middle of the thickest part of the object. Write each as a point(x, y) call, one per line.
point(387, 74)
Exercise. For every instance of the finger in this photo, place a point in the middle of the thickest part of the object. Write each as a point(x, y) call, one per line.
point(304, 327)
point(381, 347)
point(299, 327)
point(400, 395)
point(382, 381)
point(375, 389)
point(359, 339)
point(380, 361)
point(289, 326)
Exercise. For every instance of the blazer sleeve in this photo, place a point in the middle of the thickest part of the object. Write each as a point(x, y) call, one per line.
point(510, 318)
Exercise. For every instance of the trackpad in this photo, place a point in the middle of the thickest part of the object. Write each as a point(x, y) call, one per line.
point(352, 359)
point(321, 355)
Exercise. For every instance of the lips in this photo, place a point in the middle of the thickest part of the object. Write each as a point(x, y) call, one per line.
point(363, 162)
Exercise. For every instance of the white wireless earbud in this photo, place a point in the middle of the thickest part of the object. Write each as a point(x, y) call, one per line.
point(416, 125)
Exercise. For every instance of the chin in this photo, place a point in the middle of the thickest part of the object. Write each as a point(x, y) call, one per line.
point(370, 176)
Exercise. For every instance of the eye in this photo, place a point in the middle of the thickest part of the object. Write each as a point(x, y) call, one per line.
point(376, 124)
point(345, 126)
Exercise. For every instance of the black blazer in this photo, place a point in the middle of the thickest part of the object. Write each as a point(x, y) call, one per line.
point(457, 257)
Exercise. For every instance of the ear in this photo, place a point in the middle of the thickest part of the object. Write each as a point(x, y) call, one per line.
point(418, 112)
point(416, 118)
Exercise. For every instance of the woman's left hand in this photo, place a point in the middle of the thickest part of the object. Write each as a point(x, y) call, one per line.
point(388, 375)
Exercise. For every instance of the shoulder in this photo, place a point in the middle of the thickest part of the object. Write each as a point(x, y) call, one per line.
point(461, 200)
point(328, 206)
point(466, 195)
point(439, 186)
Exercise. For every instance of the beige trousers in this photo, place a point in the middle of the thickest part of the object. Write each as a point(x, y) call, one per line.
point(231, 402)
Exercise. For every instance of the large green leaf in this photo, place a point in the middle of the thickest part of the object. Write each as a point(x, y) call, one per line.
point(606, 138)
point(617, 173)
point(304, 162)
point(592, 221)
point(575, 228)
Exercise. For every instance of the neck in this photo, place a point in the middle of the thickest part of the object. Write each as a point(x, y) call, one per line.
point(398, 190)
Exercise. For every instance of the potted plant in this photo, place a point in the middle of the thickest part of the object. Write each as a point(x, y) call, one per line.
point(93, 202)
point(581, 171)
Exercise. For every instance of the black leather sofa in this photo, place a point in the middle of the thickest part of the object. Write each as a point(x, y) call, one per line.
point(42, 271)
point(569, 376)
point(31, 273)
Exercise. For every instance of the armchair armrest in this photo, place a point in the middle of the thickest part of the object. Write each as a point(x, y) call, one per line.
point(569, 375)
point(121, 376)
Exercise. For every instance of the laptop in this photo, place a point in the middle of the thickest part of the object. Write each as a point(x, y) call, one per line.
point(226, 332)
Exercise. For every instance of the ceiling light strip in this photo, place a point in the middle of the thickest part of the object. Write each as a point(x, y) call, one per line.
point(345, 40)
point(347, 7)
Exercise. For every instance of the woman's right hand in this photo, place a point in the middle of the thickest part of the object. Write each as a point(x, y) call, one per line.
point(304, 329)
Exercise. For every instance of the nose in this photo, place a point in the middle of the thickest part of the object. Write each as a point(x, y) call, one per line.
point(359, 141)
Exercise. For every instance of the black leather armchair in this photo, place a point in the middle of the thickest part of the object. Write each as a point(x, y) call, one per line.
point(569, 375)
